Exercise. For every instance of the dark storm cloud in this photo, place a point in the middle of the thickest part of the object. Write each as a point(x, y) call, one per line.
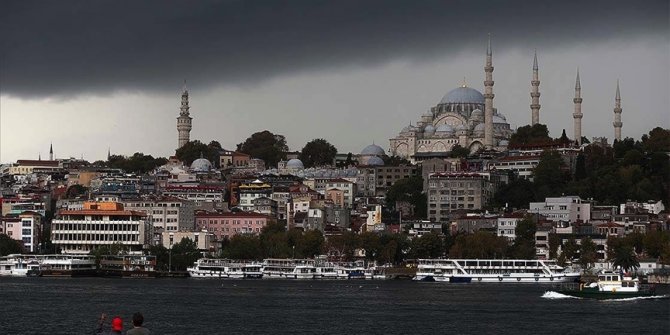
point(52, 48)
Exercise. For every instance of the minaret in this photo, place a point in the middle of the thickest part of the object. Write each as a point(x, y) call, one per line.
point(184, 119)
point(535, 94)
point(109, 153)
point(577, 115)
point(51, 151)
point(488, 96)
point(617, 114)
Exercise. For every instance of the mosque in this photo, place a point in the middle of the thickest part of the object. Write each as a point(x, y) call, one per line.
point(463, 117)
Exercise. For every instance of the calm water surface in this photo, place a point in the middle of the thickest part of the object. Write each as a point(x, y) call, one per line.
point(210, 306)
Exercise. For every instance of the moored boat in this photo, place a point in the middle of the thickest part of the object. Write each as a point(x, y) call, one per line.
point(493, 271)
point(609, 285)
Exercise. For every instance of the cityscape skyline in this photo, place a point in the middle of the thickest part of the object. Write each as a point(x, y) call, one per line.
point(370, 80)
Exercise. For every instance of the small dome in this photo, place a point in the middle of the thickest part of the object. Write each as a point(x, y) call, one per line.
point(445, 128)
point(460, 127)
point(479, 129)
point(463, 94)
point(498, 119)
point(201, 165)
point(295, 164)
point(373, 150)
point(374, 160)
point(429, 129)
point(477, 114)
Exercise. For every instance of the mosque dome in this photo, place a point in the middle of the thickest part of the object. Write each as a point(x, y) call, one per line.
point(373, 150)
point(463, 95)
point(499, 119)
point(445, 128)
point(479, 129)
point(295, 164)
point(374, 160)
point(429, 129)
point(477, 114)
point(201, 165)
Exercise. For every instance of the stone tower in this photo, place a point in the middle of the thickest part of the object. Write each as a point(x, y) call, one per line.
point(577, 115)
point(488, 96)
point(617, 114)
point(535, 94)
point(184, 120)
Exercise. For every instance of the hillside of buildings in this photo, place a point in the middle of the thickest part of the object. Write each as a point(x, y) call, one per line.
point(592, 204)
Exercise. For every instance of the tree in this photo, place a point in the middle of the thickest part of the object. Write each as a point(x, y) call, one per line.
point(569, 251)
point(75, 191)
point(459, 151)
point(411, 191)
point(311, 244)
point(184, 254)
point(265, 145)
point(625, 258)
point(657, 141)
point(529, 136)
point(9, 246)
point(243, 247)
point(395, 161)
point(524, 244)
point(549, 176)
point(318, 152)
point(427, 246)
point(195, 149)
point(587, 253)
point(371, 245)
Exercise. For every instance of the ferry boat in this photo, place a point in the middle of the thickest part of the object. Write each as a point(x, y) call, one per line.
point(494, 271)
point(128, 266)
point(17, 265)
point(350, 271)
point(325, 271)
point(252, 270)
point(208, 268)
point(289, 268)
point(610, 285)
point(67, 265)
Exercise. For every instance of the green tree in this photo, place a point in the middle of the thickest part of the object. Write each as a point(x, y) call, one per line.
point(625, 258)
point(569, 251)
point(549, 175)
point(516, 194)
point(265, 145)
point(524, 243)
point(9, 246)
point(427, 246)
point(162, 256)
point(75, 191)
point(311, 244)
point(343, 245)
point(318, 152)
point(529, 136)
point(395, 161)
point(459, 151)
point(657, 141)
point(243, 246)
point(371, 244)
point(195, 149)
point(184, 254)
point(411, 191)
point(655, 242)
point(587, 253)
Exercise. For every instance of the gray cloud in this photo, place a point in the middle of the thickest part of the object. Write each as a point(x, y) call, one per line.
point(60, 48)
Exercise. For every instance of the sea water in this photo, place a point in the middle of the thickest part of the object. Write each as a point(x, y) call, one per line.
point(213, 306)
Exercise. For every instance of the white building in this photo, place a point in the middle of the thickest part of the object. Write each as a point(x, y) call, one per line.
point(649, 206)
point(506, 226)
point(100, 224)
point(563, 209)
point(166, 213)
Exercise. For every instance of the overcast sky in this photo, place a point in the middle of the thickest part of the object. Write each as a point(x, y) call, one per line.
point(93, 75)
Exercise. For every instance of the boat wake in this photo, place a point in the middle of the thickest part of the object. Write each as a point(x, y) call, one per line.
point(666, 296)
point(556, 295)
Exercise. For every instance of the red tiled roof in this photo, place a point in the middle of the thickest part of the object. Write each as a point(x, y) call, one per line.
point(34, 162)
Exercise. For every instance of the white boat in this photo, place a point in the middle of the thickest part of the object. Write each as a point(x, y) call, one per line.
point(350, 271)
point(253, 270)
point(16, 265)
point(494, 271)
point(325, 271)
point(209, 268)
point(610, 285)
point(274, 268)
point(67, 265)
point(288, 268)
